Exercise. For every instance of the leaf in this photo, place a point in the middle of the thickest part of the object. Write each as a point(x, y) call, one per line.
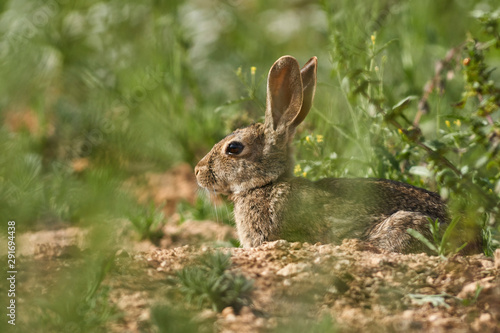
point(383, 47)
point(420, 171)
point(403, 104)
point(448, 231)
point(447, 234)
point(422, 238)
point(435, 300)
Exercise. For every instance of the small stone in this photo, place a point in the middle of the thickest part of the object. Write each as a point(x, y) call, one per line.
point(325, 249)
point(246, 311)
point(408, 314)
point(122, 254)
point(293, 269)
point(434, 317)
point(341, 264)
point(227, 311)
point(487, 264)
point(144, 316)
point(205, 315)
point(280, 244)
point(485, 323)
point(231, 318)
point(266, 272)
point(260, 322)
point(497, 259)
point(485, 317)
point(469, 290)
point(228, 314)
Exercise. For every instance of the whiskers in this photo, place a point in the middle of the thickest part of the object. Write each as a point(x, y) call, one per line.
point(218, 210)
point(213, 197)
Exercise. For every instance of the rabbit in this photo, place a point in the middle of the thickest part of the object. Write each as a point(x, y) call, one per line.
point(254, 167)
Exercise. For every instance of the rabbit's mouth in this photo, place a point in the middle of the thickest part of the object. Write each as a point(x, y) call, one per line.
point(209, 182)
point(217, 187)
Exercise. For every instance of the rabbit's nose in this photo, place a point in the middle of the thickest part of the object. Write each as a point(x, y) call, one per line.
point(196, 171)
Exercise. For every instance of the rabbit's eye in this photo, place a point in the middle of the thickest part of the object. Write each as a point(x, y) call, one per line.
point(234, 148)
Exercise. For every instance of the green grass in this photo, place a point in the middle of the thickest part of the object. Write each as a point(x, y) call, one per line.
point(205, 209)
point(76, 302)
point(440, 242)
point(147, 222)
point(168, 320)
point(211, 284)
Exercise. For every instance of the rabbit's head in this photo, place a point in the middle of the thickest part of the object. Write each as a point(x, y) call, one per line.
point(259, 154)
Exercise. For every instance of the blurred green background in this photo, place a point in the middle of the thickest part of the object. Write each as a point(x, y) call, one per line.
point(95, 92)
point(127, 87)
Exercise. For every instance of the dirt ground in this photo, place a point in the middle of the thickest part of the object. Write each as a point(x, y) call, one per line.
point(296, 285)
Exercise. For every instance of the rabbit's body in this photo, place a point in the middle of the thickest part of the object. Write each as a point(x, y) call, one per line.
point(376, 210)
point(253, 165)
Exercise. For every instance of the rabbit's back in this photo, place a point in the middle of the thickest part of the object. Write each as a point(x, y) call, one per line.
point(328, 210)
point(381, 197)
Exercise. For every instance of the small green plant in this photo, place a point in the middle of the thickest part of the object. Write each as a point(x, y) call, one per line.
point(440, 240)
point(76, 304)
point(473, 300)
point(210, 283)
point(205, 209)
point(147, 222)
point(488, 247)
point(167, 320)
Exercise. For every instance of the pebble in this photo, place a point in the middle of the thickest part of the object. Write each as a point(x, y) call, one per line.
point(228, 314)
point(293, 269)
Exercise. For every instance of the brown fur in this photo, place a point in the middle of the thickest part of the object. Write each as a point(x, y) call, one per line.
point(271, 204)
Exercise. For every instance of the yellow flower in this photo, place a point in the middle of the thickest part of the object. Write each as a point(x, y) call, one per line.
point(253, 69)
point(458, 122)
point(297, 170)
point(373, 37)
point(447, 122)
point(319, 138)
point(304, 174)
point(308, 139)
point(400, 131)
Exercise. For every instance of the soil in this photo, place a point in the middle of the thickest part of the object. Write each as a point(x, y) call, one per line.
point(296, 285)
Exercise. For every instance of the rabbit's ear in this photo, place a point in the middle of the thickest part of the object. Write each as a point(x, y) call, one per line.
point(284, 93)
point(308, 74)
